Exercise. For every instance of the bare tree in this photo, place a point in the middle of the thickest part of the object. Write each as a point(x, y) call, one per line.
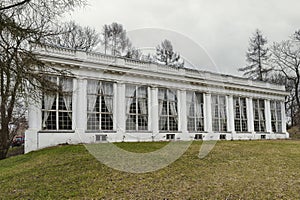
point(114, 38)
point(166, 55)
point(5, 5)
point(22, 74)
point(72, 35)
point(257, 58)
point(286, 59)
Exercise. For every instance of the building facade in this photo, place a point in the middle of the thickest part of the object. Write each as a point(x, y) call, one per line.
point(116, 99)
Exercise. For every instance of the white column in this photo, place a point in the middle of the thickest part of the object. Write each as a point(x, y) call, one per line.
point(283, 118)
point(149, 103)
point(268, 116)
point(35, 124)
point(80, 111)
point(207, 113)
point(154, 110)
point(121, 109)
point(115, 105)
point(230, 119)
point(250, 115)
point(34, 116)
point(182, 114)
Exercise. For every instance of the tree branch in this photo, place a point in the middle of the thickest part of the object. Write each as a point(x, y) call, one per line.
point(15, 5)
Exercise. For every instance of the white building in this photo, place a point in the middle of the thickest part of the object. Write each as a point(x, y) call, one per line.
point(117, 99)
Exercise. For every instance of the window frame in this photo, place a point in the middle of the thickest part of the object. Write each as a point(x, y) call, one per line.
point(219, 118)
point(275, 119)
point(195, 118)
point(241, 108)
point(168, 116)
point(136, 99)
point(57, 100)
point(259, 121)
point(99, 114)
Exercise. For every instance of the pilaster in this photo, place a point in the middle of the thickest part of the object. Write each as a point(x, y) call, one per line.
point(207, 113)
point(268, 116)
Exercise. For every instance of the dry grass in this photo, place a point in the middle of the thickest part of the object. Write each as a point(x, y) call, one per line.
point(233, 170)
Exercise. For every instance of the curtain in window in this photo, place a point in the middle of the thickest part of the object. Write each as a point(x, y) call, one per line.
point(199, 108)
point(142, 103)
point(262, 119)
point(214, 106)
point(107, 90)
point(261, 114)
point(173, 105)
point(243, 109)
point(92, 90)
point(143, 106)
point(222, 107)
point(67, 87)
point(189, 100)
point(48, 102)
point(130, 94)
point(162, 95)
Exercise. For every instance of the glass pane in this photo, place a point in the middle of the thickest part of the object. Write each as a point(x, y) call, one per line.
point(261, 103)
point(214, 99)
point(173, 124)
point(199, 97)
point(143, 106)
point(65, 120)
point(106, 104)
point(237, 125)
point(199, 124)
point(130, 91)
point(66, 84)
point(162, 93)
point(50, 122)
point(142, 92)
point(189, 97)
point(215, 125)
point(106, 122)
point(131, 122)
point(93, 121)
point(191, 124)
point(163, 123)
point(172, 96)
point(142, 123)
point(191, 110)
point(107, 88)
point(222, 100)
point(93, 103)
point(244, 125)
point(92, 87)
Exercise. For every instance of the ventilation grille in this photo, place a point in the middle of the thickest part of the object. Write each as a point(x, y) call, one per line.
point(263, 137)
point(222, 137)
point(198, 137)
point(170, 136)
point(101, 138)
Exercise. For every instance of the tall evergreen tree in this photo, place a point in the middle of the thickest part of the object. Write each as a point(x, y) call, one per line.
point(257, 58)
point(166, 55)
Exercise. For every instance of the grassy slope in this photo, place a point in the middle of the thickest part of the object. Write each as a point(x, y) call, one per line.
point(233, 170)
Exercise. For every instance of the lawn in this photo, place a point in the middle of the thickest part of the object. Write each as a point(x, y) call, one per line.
point(232, 170)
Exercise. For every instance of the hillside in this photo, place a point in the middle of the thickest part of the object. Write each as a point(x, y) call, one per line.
point(233, 170)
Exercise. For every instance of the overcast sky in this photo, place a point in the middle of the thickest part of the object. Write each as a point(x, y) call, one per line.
point(220, 27)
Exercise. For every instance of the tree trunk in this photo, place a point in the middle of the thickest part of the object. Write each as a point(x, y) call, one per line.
point(4, 144)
